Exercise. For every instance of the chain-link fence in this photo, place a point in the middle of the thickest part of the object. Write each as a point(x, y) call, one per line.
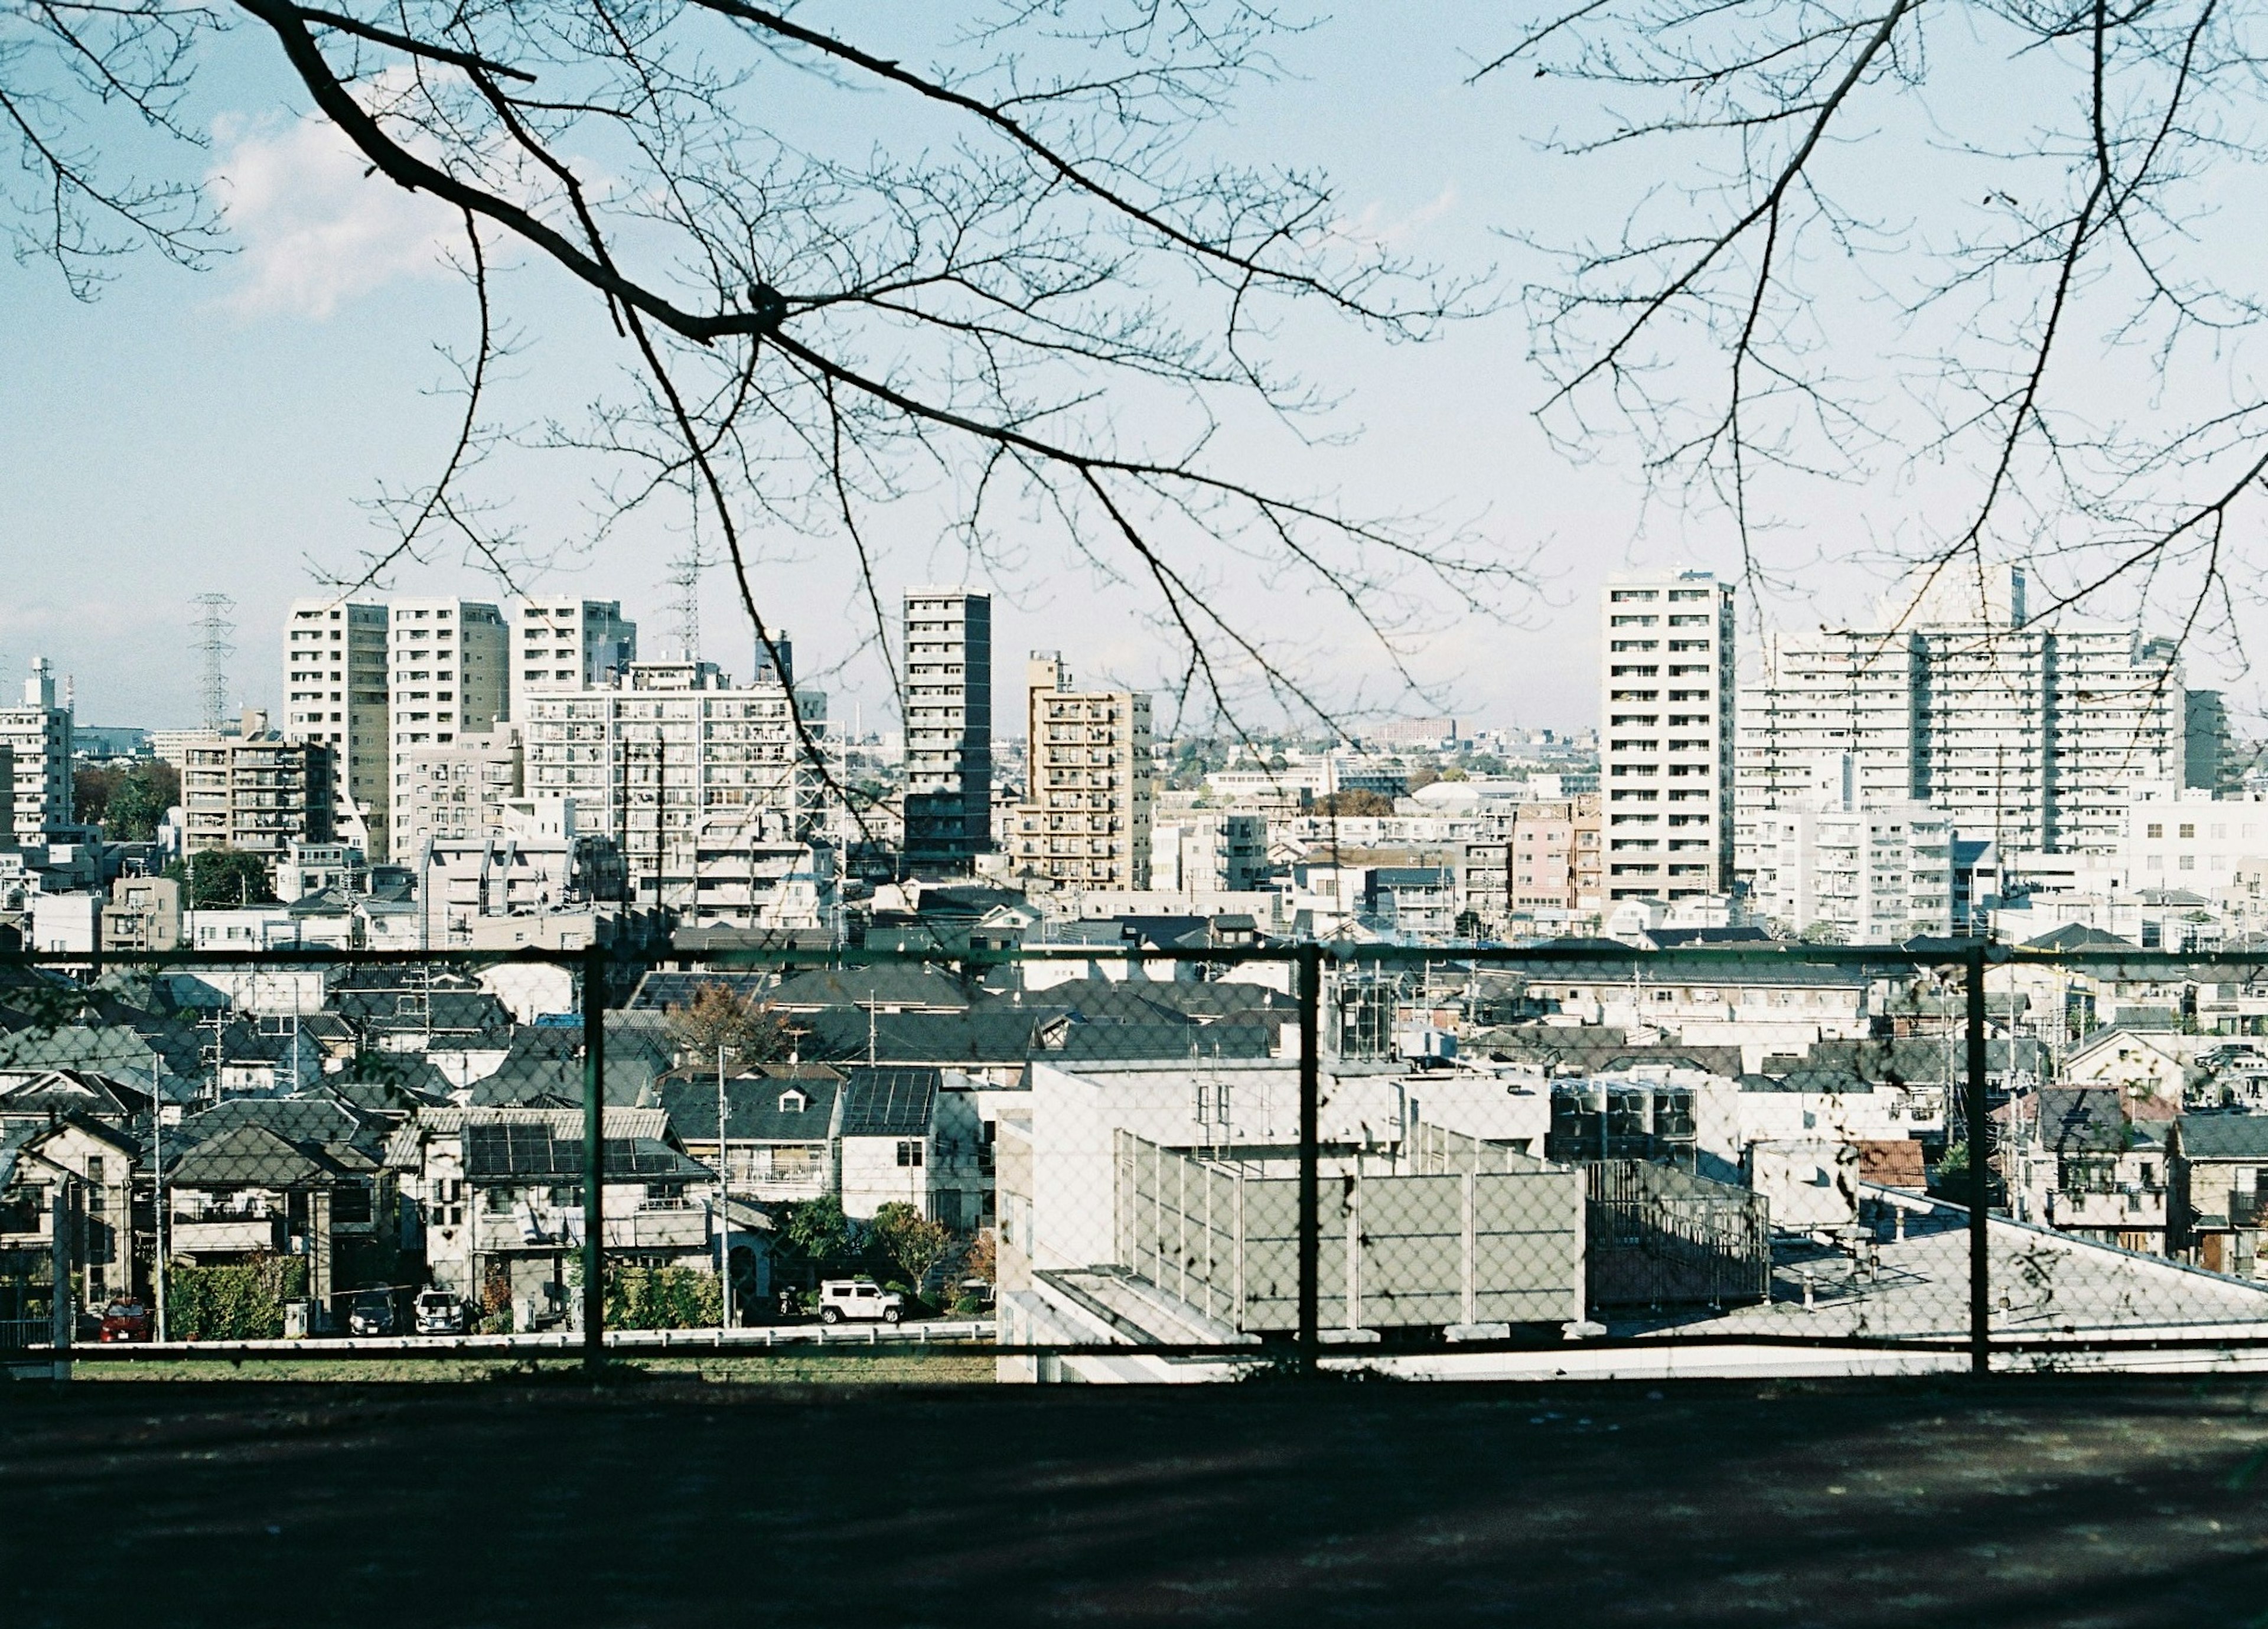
point(1199, 1159)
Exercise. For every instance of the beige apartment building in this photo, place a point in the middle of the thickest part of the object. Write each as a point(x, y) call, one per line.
point(1085, 821)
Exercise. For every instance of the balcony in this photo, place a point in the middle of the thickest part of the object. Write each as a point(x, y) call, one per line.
point(222, 1233)
point(654, 1226)
point(2137, 1207)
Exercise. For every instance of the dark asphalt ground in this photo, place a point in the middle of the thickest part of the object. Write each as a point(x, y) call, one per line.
point(2012, 1502)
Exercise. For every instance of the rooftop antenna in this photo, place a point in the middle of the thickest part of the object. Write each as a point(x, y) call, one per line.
point(213, 630)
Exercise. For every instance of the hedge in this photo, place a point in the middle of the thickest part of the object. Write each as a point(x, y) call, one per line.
point(232, 1303)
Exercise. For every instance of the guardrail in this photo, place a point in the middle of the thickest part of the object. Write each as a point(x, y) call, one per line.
point(565, 1343)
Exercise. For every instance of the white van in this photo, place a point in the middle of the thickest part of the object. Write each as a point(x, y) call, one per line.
point(843, 1299)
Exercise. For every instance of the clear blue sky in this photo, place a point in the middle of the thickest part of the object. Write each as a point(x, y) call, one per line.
point(189, 432)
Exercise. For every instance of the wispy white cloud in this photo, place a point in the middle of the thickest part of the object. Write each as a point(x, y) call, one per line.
point(316, 231)
point(1373, 228)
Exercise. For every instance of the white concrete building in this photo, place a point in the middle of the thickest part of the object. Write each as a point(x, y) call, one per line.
point(66, 923)
point(529, 861)
point(334, 691)
point(948, 734)
point(569, 645)
point(446, 677)
point(1873, 874)
point(2027, 733)
point(37, 733)
point(1205, 852)
point(1666, 740)
point(666, 747)
point(2185, 838)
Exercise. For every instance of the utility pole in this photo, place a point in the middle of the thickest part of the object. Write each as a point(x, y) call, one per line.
point(724, 1206)
point(158, 1159)
point(62, 1302)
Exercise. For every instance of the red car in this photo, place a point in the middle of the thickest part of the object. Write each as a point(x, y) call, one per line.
point(125, 1320)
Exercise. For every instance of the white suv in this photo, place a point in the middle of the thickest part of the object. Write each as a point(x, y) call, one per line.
point(858, 1297)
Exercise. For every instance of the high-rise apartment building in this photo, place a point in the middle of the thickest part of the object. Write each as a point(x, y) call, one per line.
point(1666, 734)
point(948, 679)
point(1085, 821)
point(569, 645)
point(38, 735)
point(2025, 733)
point(334, 691)
point(447, 670)
point(668, 758)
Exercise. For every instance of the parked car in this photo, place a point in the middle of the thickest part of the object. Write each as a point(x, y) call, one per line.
point(125, 1320)
point(842, 1299)
point(440, 1313)
point(370, 1313)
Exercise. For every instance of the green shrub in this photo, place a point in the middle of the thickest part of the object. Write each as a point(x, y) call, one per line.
point(232, 1303)
point(662, 1298)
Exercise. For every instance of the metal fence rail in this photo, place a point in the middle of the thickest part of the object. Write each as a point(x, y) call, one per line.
point(1164, 1160)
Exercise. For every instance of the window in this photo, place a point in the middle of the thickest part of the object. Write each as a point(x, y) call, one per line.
point(2188, 831)
point(909, 1150)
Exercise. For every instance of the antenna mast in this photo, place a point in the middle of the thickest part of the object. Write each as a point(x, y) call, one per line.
point(685, 577)
point(213, 630)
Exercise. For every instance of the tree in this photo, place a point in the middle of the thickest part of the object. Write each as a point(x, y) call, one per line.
point(818, 1229)
point(1355, 802)
point(1976, 253)
point(127, 801)
point(217, 878)
point(748, 1031)
point(911, 1241)
point(815, 318)
point(141, 798)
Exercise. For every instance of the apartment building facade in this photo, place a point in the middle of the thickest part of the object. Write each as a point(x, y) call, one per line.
point(37, 734)
point(2027, 735)
point(458, 791)
point(257, 792)
point(1666, 740)
point(1878, 874)
point(335, 674)
point(1208, 851)
point(666, 758)
point(948, 719)
point(1085, 818)
point(447, 675)
point(569, 645)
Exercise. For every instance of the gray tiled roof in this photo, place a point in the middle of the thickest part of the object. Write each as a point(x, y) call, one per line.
point(2224, 1136)
point(754, 1108)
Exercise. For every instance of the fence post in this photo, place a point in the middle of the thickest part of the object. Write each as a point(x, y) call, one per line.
point(1310, 981)
point(63, 1260)
point(594, 1120)
point(1980, 1176)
